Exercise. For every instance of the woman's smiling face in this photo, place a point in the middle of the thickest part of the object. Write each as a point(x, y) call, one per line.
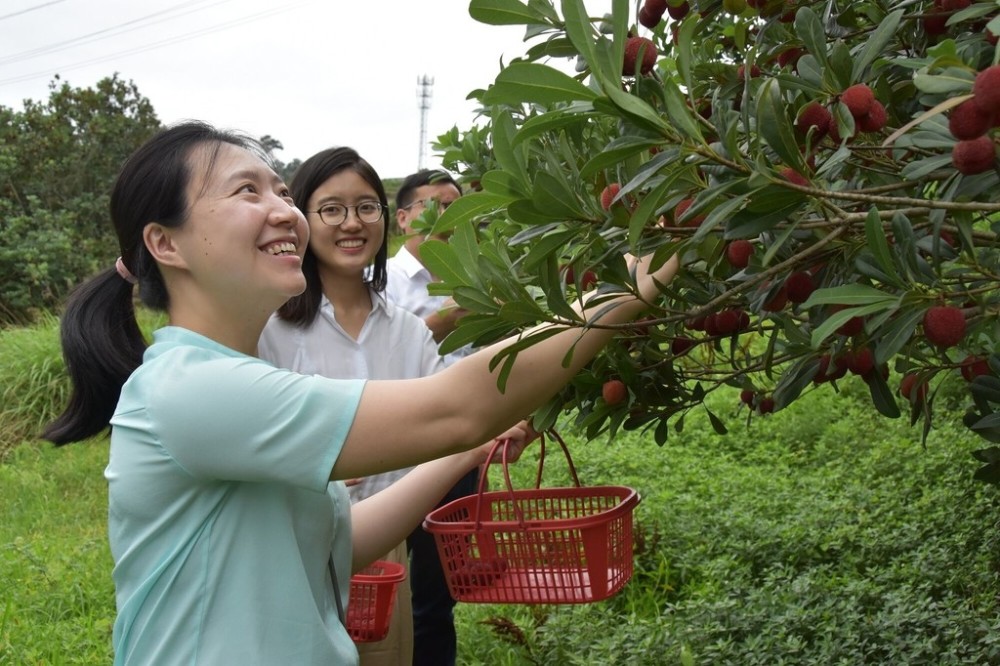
point(348, 248)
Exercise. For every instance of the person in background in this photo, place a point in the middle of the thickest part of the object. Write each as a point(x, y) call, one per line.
point(342, 327)
point(433, 608)
point(229, 524)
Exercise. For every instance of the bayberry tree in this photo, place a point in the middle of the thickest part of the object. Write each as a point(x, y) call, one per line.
point(827, 170)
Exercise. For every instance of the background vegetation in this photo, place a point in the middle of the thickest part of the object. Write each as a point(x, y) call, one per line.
point(824, 535)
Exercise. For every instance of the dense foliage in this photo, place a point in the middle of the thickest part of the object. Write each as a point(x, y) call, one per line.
point(801, 156)
point(58, 159)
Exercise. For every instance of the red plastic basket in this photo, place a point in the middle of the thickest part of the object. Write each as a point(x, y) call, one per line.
point(539, 546)
point(373, 593)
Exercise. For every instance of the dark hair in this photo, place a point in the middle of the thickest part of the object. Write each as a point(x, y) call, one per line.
point(101, 340)
point(301, 310)
point(404, 197)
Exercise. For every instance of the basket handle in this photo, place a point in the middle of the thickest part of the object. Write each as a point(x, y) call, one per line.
point(506, 474)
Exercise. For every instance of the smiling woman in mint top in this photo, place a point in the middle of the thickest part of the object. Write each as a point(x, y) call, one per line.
point(227, 507)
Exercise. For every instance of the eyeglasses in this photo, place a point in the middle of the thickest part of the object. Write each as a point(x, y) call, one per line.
point(427, 203)
point(335, 214)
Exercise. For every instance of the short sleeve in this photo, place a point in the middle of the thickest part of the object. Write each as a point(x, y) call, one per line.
point(243, 419)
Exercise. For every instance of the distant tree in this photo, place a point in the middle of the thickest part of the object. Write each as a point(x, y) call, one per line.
point(58, 160)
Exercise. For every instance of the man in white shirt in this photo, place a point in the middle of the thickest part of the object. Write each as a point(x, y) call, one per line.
point(434, 640)
point(408, 277)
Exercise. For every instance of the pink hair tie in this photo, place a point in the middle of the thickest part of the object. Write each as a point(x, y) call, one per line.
point(124, 272)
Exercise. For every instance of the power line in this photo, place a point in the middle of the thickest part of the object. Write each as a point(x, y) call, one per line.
point(155, 45)
point(31, 9)
point(121, 28)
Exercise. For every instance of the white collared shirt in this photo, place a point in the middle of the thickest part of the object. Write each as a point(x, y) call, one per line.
point(393, 344)
point(407, 288)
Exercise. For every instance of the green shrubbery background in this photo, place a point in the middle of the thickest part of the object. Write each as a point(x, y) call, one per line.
point(822, 535)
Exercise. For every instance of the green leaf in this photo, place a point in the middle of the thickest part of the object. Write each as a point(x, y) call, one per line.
point(581, 33)
point(850, 294)
point(471, 328)
point(839, 318)
point(882, 396)
point(680, 114)
point(636, 109)
point(467, 208)
point(875, 44)
point(615, 152)
point(442, 260)
point(578, 113)
point(526, 82)
point(645, 211)
point(542, 247)
point(503, 12)
point(896, 334)
point(553, 197)
point(810, 30)
point(877, 243)
point(509, 158)
point(774, 126)
point(502, 184)
point(475, 300)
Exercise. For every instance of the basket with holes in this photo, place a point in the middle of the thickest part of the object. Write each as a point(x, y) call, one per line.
point(373, 594)
point(536, 546)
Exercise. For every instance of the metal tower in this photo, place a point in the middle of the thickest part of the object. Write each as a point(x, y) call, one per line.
point(424, 85)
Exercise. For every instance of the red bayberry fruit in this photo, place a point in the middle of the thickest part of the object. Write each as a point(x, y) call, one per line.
point(681, 208)
point(986, 89)
point(815, 115)
point(738, 253)
point(789, 57)
point(727, 321)
point(588, 280)
point(874, 120)
point(794, 177)
point(741, 72)
point(859, 99)
point(681, 345)
point(944, 325)
point(766, 405)
point(648, 18)
point(608, 195)
point(974, 366)
point(633, 46)
point(968, 121)
point(906, 386)
point(746, 397)
point(974, 156)
point(778, 301)
point(861, 361)
point(799, 286)
point(614, 392)
point(677, 12)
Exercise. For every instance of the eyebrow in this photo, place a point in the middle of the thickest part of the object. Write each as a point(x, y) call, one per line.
point(256, 175)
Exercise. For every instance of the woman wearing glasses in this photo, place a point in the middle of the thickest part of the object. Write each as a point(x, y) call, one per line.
point(223, 522)
point(342, 327)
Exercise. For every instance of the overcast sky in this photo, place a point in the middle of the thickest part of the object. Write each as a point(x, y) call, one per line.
point(311, 73)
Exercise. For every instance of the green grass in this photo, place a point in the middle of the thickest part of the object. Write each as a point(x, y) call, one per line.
point(824, 534)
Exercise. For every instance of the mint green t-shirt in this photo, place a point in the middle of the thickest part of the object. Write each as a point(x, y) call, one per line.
point(221, 515)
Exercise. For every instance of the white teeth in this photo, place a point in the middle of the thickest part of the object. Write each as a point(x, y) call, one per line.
point(351, 243)
point(281, 248)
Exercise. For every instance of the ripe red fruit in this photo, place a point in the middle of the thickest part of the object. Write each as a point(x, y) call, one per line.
point(824, 373)
point(711, 324)
point(799, 286)
point(738, 253)
point(968, 121)
point(746, 397)
point(974, 366)
point(794, 177)
point(815, 115)
point(695, 323)
point(677, 12)
point(608, 195)
point(656, 6)
point(588, 280)
point(614, 392)
point(852, 326)
point(681, 345)
point(906, 386)
point(727, 321)
point(633, 45)
point(986, 89)
point(874, 120)
point(974, 156)
point(789, 57)
point(935, 25)
point(741, 72)
point(648, 18)
point(944, 325)
point(859, 99)
point(766, 406)
point(681, 208)
point(778, 301)
point(861, 361)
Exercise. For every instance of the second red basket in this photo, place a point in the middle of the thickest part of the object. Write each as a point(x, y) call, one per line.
point(373, 593)
point(538, 546)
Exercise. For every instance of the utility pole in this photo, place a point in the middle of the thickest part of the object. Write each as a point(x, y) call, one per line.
point(424, 85)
